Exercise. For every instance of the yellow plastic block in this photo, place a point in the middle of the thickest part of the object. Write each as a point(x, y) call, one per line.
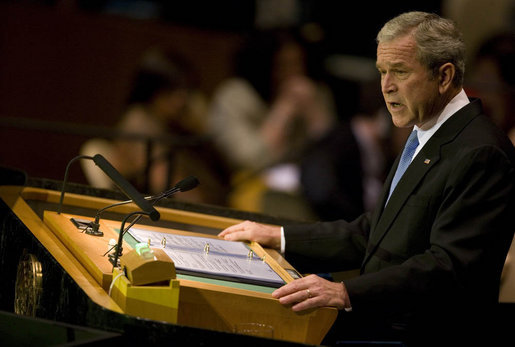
point(157, 302)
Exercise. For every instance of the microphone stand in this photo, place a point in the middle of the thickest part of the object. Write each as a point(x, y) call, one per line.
point(123, 230)
point(118, 246)
point(93, 227)
point(66, 179)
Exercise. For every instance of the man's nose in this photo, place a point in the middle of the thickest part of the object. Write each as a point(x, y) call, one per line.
point(387, 84)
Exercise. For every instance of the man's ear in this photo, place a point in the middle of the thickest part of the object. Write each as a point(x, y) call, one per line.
point(446, 74)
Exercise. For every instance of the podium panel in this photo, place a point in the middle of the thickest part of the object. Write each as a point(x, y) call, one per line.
point(208, 304)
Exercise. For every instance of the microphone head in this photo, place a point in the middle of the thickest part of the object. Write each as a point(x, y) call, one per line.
point(188, 183)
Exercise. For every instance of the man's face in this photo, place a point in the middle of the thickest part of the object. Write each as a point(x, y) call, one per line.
point(410, 92)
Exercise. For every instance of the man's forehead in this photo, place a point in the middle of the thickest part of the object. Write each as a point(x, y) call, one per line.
point(396, 52)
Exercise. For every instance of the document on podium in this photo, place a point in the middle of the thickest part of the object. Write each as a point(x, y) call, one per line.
point(209, 257)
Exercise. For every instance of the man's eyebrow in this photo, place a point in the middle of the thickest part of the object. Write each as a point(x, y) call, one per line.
point(398, 64)
point(391, 65)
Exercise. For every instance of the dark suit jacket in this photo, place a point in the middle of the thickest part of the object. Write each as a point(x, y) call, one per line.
point(439, 245)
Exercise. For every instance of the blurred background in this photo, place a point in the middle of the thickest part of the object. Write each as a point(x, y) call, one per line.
point(68, 70)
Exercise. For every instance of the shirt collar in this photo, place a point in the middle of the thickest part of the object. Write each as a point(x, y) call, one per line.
point(451, 108)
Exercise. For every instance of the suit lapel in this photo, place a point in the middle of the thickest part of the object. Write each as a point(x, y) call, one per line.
point(384, 195)
point(428, 156)
point(418, 168)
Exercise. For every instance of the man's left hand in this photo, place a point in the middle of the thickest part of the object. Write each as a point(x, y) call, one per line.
point(312, 292)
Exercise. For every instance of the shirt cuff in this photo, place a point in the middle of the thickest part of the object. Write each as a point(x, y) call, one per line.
point(283, 241)
point(346, 309)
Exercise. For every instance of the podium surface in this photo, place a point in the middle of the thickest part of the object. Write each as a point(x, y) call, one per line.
point(207, 304)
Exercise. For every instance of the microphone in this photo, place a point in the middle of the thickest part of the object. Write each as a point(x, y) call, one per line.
point(184, 185)
point(119, 180)
point(188, 183)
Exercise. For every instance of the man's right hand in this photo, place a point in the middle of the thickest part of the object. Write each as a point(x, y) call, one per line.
point(265, 235)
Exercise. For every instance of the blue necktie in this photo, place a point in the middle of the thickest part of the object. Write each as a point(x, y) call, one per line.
point(407, 155)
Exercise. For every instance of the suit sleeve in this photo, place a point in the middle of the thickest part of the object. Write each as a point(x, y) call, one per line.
point(327, 246)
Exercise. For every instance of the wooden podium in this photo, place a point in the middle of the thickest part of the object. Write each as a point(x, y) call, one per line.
point(215, 305)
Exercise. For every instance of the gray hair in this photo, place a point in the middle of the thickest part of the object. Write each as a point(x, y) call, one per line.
point(438, 40)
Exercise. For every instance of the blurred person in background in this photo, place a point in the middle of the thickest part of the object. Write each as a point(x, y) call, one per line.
point(167, 112)
point(276, 123)
point(492, 79)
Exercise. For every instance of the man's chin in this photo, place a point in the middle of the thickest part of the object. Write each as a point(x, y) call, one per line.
point(401, 122)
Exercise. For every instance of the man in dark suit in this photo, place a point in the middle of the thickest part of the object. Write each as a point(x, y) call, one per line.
point(432, 251)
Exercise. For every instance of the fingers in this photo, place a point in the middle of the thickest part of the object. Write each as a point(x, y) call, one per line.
point(300, 293)
point(302, 303)
point(266, 235)
point(312, 292)
point(243, 235)
point(229, 230)
point(235, 232)
point(297, 286)
point(288, 289)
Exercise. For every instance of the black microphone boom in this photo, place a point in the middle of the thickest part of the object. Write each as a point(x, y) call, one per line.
point(126, 187)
